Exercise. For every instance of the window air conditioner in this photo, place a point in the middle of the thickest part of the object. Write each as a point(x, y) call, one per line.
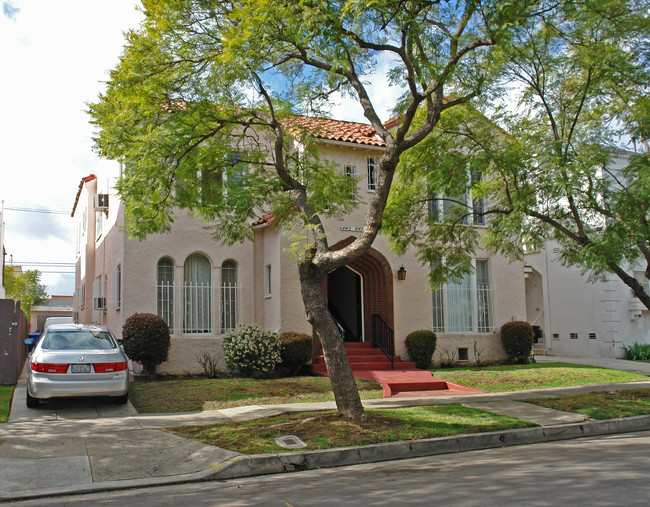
point(99, 303)
point(100, 202)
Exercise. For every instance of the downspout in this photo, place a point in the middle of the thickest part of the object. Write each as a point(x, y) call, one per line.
point(547, 304)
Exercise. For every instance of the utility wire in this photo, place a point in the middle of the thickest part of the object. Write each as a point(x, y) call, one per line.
point(51, 264)
point(34, 210)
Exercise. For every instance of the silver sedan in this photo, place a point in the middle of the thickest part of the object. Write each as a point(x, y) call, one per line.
point(77, 360)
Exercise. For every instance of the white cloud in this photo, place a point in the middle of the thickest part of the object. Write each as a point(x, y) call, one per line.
point(383, 96)
point(55, 57)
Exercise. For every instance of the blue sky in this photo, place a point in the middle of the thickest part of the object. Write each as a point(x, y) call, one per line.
point(55, 56)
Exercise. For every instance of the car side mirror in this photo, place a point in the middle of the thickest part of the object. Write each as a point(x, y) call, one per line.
point(29, 342)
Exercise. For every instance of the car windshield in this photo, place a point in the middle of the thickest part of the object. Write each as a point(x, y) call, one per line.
point(82, 339)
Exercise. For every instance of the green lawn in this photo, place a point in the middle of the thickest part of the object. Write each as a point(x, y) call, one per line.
point(195, 394)
point(325, 430)
point(517, 377)
point(5, 402)
point(601, 405)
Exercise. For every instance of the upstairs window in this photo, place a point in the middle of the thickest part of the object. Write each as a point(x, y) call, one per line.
point(466, 208)
point(372, 174)
point(351, 172)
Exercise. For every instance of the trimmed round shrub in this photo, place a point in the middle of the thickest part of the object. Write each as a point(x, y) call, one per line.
point(295, 351)
point(517, 339)
point(250, 351)
point(420, 346)
point(145, 338)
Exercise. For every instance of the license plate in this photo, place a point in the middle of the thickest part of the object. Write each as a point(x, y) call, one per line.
point(80, 368)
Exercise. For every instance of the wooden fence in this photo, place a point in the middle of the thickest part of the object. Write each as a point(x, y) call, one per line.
point(13, 331)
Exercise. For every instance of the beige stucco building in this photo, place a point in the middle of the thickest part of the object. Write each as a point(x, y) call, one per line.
point(203, 288)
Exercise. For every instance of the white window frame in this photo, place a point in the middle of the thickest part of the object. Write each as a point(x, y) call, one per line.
point(117, 287)
point(99, 224)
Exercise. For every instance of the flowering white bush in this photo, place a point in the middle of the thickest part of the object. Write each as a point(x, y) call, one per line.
point(249, 350)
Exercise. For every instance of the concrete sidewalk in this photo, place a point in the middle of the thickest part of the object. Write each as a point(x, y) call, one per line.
point(90, 445)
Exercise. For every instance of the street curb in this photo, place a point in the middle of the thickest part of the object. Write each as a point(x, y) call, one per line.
point(265, 464)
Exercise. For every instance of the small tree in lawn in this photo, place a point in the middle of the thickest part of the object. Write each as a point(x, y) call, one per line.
point(145, 337)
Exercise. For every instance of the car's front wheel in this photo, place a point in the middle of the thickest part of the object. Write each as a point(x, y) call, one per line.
point(30, 401)
point(121, 400)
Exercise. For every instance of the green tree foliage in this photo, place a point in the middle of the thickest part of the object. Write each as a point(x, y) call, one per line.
point(576, 80)
point(202, 105)
point(26, 288)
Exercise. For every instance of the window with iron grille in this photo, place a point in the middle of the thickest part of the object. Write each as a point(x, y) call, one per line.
point(197, 295)
point(165, 291)
point(465, 305)
point(229, 296)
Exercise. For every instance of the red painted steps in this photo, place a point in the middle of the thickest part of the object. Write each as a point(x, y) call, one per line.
point(362, 356)
point(405, 380)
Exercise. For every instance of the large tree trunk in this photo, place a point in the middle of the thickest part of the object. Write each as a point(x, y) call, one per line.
point(344, 387)
point(632, 283)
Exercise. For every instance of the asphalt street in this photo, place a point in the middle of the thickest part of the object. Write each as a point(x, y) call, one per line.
point(605, 471)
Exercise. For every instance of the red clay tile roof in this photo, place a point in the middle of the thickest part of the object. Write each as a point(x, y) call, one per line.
point(264, 219)
point(336, 130)
point(84, 180)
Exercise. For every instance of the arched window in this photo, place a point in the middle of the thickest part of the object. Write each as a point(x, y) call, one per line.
point(229, 290)
point(165, 291)
point(197, 301)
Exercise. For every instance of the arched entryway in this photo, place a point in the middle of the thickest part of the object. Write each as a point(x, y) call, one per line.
point(370, 280)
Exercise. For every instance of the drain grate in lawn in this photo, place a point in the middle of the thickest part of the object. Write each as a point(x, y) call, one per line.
point(325, 430)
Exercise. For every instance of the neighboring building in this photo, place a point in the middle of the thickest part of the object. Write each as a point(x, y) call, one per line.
point(55, 306)
point(578, 318)
point(2, 251)
point(574, 317)
point(202, 288)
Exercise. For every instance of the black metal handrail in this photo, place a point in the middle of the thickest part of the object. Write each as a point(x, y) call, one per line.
point(383, 338)
point(345, 331)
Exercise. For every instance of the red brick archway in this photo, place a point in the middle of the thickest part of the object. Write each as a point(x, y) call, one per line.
point(377, 286)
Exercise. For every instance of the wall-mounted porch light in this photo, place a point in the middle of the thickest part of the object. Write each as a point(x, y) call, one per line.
point(401, 273)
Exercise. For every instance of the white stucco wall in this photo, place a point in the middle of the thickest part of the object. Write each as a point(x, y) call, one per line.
point(574, 305)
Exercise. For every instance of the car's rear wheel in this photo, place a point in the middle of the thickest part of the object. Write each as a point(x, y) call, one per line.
point(30, 401)
point(122, 399)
